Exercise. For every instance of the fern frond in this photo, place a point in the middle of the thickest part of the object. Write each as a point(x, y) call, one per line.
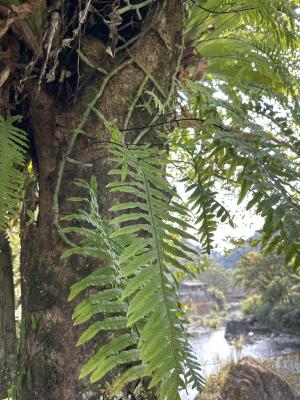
point(141, 250)
point(272, 179)
point(104, 301)
point(248, 112)
point(150, 288)
point(205, 204)
point(247, 42)
point(13, 146)
point(274, 17)
point(267, 177)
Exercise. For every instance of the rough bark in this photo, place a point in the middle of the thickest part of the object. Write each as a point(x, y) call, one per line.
point(52, 360)
point(7, 317)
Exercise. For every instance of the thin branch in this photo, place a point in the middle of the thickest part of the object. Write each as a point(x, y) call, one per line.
point(215, 11)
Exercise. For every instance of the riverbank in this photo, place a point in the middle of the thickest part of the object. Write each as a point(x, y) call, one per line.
point(214, 352)
point(253, 331)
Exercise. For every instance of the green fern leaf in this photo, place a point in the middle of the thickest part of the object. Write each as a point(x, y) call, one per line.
point(13, 147)
point(149, 289)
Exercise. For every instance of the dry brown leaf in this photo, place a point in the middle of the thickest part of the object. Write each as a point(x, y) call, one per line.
point(24, 10)
point(4, 74)
point(5, 25)
point(113, 23)
point(184, 75)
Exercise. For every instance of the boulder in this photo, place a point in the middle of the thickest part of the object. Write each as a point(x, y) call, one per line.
point(250, 380)
point(237, 328)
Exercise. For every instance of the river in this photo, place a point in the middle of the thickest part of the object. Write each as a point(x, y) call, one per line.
point(213, 351)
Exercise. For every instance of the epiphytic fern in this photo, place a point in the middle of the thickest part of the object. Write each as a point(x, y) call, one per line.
point(272, 178)
point(247, 42)
point(253, 162)
point(155, 223)
point(141, 253)
point(202, 197)
point(245, 116)
point(105, 299)
point(13, 144)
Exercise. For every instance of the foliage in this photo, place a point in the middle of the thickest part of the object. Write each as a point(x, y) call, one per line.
point(151, 291)
point(276, 300)
point(213, 323)
point(275, 291)
point(215, 382)
point(240, 125)
point(286, 316)
point(257, 272)
point(238, 344)
point(13, 146)
point(140, 250)
point(252, 304)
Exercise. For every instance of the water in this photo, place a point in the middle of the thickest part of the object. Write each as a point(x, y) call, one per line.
point(213, 352)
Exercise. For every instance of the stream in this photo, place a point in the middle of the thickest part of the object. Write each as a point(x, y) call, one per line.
point(213, 351)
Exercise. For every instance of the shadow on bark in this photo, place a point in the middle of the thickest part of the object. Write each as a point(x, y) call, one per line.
point(7, 317)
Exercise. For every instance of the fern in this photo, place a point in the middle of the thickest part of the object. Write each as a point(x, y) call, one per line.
point(151, 289)
point(105, 299)
point(13, 145)
point(272, 177)
point(253, 162)
point(138, 291)
point(274, 17)
point(247, 42)
point(203, 199)
point(245, 118)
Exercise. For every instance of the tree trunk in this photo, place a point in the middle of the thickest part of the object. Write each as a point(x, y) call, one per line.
point(7, 318)
point(52, 360)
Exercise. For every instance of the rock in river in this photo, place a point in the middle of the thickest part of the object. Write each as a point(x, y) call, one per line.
point(250, 380)
point(237, 327)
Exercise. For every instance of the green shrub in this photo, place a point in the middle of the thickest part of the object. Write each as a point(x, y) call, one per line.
point(274, 292)
point(217, 296)
point(251, 304)
point(285, 316)
point(256, 307)
point(213, 323)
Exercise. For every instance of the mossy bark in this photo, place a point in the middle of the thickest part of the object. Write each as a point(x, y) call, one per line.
point(7, 317)
point(50, 354)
